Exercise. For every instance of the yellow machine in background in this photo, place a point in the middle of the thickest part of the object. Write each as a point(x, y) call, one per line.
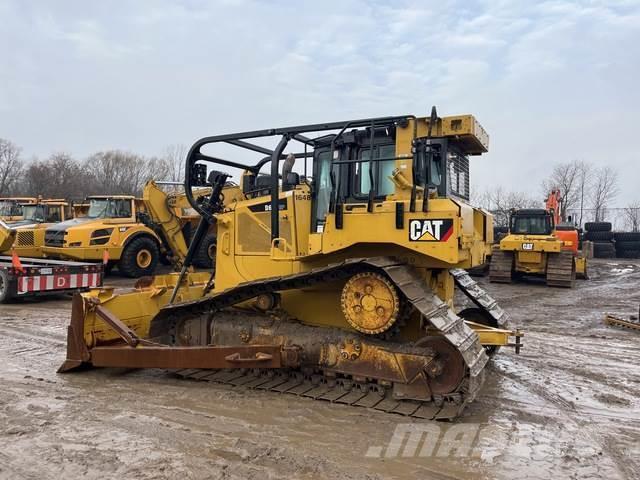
point(11, 207)
point(133, 234)
point(7, 236)
point(539, 244)
point(334, 282)
point(111, 226)
point(36, 218)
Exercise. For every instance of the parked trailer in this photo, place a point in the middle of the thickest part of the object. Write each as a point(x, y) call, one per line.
point(40, 276)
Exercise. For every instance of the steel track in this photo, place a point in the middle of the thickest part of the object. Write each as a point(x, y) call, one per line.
point(501, 266)
point(331, 386)
point(560, 270)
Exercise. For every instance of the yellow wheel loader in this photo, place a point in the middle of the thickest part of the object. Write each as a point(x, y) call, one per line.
point(334, 276)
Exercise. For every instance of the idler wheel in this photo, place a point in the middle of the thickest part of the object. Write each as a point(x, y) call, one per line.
point(447, 370)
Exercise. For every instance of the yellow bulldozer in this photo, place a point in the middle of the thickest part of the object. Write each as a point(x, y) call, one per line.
point(334, 275)
point(539, 244)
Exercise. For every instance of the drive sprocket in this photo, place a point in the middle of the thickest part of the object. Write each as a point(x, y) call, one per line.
point(370, 303)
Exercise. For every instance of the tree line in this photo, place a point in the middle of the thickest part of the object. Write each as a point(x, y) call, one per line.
point(587, 192)
point(109, 172)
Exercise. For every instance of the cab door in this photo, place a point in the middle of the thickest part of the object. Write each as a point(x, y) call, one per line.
point(256, 256)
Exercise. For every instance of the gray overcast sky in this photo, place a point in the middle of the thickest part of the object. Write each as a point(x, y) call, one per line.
point(550, 81)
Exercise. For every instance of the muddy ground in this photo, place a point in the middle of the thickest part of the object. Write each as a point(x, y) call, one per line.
point(567, 407)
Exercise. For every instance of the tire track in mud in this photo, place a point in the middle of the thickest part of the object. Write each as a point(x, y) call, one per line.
point(26, 332)
point(570, 413)
point(30, 350)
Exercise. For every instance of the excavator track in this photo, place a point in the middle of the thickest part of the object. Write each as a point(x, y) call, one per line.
point(561, 270)
point(501, 266)
point(325, 384)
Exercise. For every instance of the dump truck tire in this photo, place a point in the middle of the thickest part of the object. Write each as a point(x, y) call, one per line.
point(604, 250)
point(598, 236)
point(628, 245)
point(205, 257)
point(628, 253)
point(4, 287)
point(139, 258)
point(108, 268)
point(597, 226)
point(627, 236)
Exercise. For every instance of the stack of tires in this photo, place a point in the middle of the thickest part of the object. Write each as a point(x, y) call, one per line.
point(627, 244)
point(602, 237)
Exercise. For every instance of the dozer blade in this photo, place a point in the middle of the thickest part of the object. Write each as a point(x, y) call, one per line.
point(99, 317)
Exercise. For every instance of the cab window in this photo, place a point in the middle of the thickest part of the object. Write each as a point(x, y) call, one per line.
point(322, 179)
point(109, 208)
point(533, 225)
point(381, 171)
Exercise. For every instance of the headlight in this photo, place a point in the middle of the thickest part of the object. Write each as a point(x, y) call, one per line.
point(75, 244)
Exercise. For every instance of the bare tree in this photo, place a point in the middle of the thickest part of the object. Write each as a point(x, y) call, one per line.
point(502, 202)
point(118, 172)
point(632, 216)
point(604, 188)
point(10, 166)
point(60, 176)
point(174, 156)
point(570, 179)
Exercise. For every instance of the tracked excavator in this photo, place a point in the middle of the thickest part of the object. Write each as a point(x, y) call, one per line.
point(334, 276)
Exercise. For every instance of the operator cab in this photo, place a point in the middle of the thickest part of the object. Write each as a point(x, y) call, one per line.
point(110, 207)
point(43, 213)
point(532, 221)
point(342, 168)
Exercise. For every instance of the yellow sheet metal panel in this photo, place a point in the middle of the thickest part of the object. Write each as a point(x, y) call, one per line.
point(530, 257)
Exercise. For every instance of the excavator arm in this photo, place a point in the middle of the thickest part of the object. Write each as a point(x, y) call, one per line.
point(553, 204)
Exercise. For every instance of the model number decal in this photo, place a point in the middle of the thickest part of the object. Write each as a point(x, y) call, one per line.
point(527, 246)
point(266, 207)
point(432, 230)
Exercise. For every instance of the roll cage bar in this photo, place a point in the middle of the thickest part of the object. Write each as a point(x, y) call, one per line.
point(195, 174)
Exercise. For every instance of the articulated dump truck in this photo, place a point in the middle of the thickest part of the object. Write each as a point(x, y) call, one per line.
point(335, 271)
